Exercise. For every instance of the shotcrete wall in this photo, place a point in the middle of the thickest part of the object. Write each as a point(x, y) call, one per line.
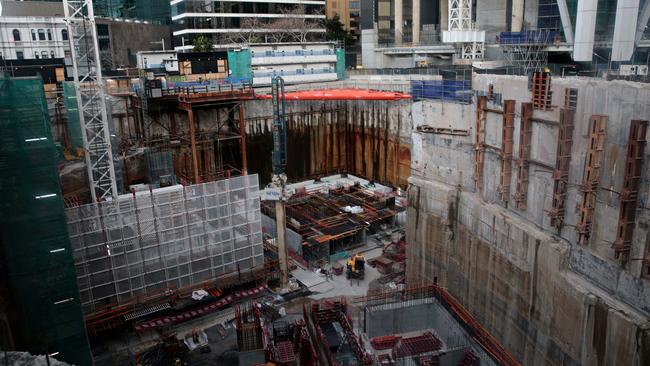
point(365, 138)
point(549, 300)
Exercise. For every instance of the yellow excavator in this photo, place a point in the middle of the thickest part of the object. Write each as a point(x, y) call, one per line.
point(356, 267)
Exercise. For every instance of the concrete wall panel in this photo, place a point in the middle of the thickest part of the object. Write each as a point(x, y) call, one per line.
point(549, 300)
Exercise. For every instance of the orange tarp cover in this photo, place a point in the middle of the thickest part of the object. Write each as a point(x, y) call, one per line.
point(341, 94)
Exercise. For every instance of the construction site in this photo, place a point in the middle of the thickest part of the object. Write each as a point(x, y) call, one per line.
point(492, 210)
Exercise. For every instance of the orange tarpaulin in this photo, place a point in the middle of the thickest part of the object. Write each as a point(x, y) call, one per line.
point(341, 94)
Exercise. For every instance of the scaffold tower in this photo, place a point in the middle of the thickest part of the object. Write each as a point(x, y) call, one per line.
point(469, 42)
point(527, 50)
point(89, 87)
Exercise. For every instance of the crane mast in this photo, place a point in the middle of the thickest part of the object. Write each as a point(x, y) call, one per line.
point(91, 98)
point(279, 178)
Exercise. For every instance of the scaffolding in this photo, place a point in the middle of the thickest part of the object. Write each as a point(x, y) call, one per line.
point(169, 238)
point(35, 244)
point(528, 49)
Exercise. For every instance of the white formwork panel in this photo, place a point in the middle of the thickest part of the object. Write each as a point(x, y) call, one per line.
point(168, 238)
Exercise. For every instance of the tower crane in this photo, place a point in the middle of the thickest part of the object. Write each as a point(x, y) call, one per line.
point(91, 98)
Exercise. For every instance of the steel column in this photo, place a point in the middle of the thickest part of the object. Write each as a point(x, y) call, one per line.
point(562, 164)
point(195, 159)
point(507, 141)
point(630, 193)
point(479, 147)
point(525, 134)
point(591, 177)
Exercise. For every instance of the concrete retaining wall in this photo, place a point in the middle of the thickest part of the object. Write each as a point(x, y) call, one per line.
point(547, 299)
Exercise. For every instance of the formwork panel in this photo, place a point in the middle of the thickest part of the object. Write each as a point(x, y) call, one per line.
point(167, 238)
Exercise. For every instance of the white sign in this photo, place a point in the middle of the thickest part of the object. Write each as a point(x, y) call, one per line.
point(271, 194)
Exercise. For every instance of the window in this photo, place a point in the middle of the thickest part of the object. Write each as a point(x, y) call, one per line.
point(16, 33)
point(33, 34)
point(36, 55)
point(64, 34)
point(41, 35)
point(44, 54)
point(49, 34)
point(20, 55)
point(67, 54)
point(52, 55)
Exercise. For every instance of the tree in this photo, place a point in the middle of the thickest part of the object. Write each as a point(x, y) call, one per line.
point(202, 44)
point(299, 27)
point(336, 32)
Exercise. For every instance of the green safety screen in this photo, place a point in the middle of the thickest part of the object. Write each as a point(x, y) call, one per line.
point(74, 127)
point(340, 63)
point(41, 279)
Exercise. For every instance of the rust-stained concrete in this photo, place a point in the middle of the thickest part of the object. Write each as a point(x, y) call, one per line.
point(368, 139)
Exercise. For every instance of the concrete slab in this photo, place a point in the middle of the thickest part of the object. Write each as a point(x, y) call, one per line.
point(307, 277)
point(340, 286)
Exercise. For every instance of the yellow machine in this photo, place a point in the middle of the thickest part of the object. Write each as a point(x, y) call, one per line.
point(356, 267)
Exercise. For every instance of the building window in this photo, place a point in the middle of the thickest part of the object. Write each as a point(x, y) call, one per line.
point(52, 55)
point(20, 55)
point(16, 33)
point(67, 54)
point(44, 54)
point(41, 34)
point(36, 55)
point(49, 34)
point(64, 34)
point(33, 34)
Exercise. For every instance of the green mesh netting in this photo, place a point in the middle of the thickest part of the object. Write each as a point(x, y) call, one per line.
point(74, 127)
point(33, 232)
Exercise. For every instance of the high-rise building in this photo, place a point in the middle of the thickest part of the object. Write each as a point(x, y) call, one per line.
point(37, 30)
point(153, 11)
point(348, 12)
point(246, 22)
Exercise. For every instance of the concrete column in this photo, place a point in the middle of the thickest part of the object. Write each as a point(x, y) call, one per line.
point(281, 241)
point(517, 15)
point(444, 15)
point(399, 21)
point(416, 21)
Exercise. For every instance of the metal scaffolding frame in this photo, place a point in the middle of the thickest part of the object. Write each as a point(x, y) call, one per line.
point(170, 238)
point(89, 87)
